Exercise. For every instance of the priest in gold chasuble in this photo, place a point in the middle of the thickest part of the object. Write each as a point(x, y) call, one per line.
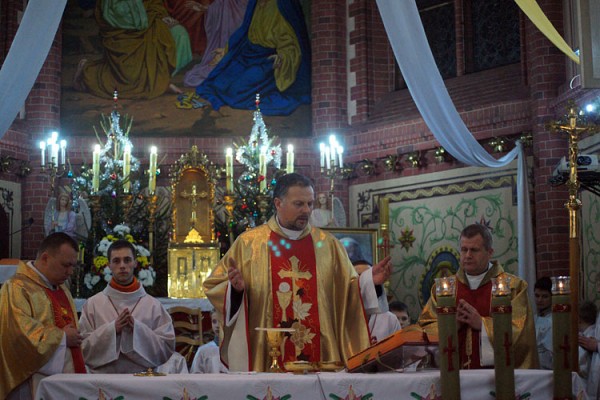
point(287, 274)
point(473, 298)
point(38, 320)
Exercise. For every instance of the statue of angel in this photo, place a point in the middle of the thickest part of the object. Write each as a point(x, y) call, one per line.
point(61, 217)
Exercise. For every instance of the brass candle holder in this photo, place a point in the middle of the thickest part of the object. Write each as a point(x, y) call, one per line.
point(445, 292)
point(504, 366)
point(229, 202)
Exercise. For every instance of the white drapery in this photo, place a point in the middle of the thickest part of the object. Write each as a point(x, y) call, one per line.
point(26, 56)
point(407, 37)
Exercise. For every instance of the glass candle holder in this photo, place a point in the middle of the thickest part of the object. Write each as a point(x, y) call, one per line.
point(445, 286)
point(561, 284)
point(501, 286)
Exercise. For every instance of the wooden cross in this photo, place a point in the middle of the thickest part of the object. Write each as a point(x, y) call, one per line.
point(507, 344)
point(449, 350)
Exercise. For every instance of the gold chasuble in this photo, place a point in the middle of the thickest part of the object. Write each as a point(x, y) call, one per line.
point(308, 284)
point(524, 341)
point(29, 326)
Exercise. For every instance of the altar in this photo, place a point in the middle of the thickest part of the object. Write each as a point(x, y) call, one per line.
point(425, 385)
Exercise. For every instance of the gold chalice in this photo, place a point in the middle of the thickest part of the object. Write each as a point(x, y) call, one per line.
point(274, 339)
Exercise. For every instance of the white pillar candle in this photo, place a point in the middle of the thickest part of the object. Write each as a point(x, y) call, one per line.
point(43, 153)
point(290, 159)
point(126, 168)
point(96, 168)
point(152, 171)
point(229, 169)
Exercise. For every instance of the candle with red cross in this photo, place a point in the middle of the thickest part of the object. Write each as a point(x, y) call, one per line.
point(504, 364)
point(445, 293)
point(561, 340)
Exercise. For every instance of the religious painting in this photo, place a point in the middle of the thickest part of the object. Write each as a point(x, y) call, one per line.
point(187, 67)
point(360, 243)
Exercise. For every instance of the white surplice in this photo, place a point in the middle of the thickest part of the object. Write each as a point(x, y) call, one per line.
point(150, 343)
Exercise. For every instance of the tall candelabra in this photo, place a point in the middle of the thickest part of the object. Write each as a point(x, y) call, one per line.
point(574, 128)
point(53, 161)
point(332, 164)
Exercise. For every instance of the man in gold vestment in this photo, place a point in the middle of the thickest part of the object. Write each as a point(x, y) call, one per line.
point(38, 320)
point(473, 296)
point(287, 274)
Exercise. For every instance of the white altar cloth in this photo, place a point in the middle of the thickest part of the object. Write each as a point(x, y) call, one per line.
point(475, 384)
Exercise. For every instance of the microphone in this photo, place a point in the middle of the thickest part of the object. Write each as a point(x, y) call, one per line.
point(28, 224)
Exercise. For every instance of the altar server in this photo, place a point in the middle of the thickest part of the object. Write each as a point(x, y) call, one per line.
point(38, 320)
point(126, 330)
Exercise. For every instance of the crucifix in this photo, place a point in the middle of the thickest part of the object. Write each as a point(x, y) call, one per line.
point(193, 197)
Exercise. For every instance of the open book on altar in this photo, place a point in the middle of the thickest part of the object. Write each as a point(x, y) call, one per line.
point(397, 351)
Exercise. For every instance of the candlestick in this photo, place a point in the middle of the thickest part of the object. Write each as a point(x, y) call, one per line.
point(63, 152)
point(43, 155)
point(561, 341)
point(445, 290)
point(96, 169)
point(152, 171)
point(262, 170)
point(504, 367)
point(229, 169)
point(290, 159)
point(126, 168)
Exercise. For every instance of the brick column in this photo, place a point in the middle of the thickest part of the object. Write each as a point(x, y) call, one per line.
point(42, 116)
point(547, 65)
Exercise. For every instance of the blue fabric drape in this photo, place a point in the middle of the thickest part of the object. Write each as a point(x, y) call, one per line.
point(409, 43)
point(26, 56)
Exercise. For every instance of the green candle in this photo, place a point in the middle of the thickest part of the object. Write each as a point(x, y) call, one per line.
point(448, 337)
point(504, 367)
point(561, 342)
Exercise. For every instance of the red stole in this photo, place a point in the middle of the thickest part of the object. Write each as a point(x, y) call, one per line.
point(63, 316)
point(481, 299)
point(294, 288)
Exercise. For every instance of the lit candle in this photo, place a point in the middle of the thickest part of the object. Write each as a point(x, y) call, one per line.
point(126, 168)
point(290, 159)
point(327, 159)
point(445, 292)
point(262, 169)
point(96, 169)
point(340, 152)
point(43, 155)
point(504, 366)
point(562, 345)
point(152, 171)
point(229, 169)
point(333, 145)
point(63, 152)
point(322, 150)
point(54, 154)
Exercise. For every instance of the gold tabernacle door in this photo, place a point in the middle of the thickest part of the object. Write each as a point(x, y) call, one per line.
point(193, 248)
